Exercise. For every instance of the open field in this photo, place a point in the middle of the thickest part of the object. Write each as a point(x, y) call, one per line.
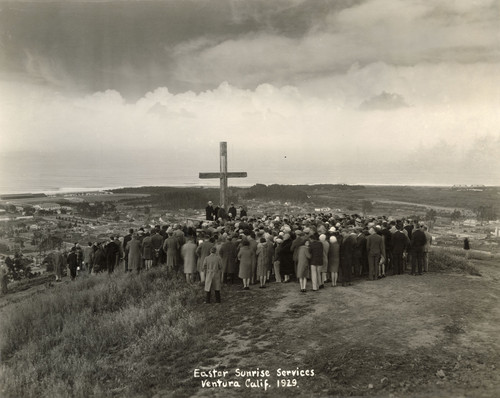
point(434, 335)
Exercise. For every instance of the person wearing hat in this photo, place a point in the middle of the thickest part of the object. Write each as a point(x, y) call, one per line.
point(276, 259)
point(212, 267)
point(202, 251)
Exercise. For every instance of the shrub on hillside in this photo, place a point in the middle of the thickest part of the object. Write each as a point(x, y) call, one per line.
point(442, 260)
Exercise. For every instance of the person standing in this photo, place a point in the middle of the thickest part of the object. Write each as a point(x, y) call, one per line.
point(286, 258)
point(59, 264)
point(303, 258)
point(203, 251)
point(276, 260)
point(72, 263)
point(126, 239)
point(253, 247)
point(245, 257)
point(243, 212)
point(232, 211)
point(156, 244)
point(188, 254)
point(262, 262)
point(427, 248)
point(400, 244)
point(334, 260)
point(466, 247)
point(347, 252)
point(147, 251)
point(171, 246)
point(212, 266)
point(100, 261)
point(210, 211)
point(418, 241)
point(296, 244)
point(228, 255)
point(112, 254)
point(324, 268)
point(375, 249)
point(134, 249)
point(316, 248)
point(88, 257)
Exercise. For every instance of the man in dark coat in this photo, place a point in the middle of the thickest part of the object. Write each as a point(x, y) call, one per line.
point(126, 239)
point(360, 254)
point(112, 254)
point(232, 211)
point(418, 241)
point(210, 211)
point(400, 243)
point(375, 249)
point(347, 251)
point(72, 263)
point(386, 233)
point(157, 243)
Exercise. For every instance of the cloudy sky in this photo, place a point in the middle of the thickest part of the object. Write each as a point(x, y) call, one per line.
point(332, 91)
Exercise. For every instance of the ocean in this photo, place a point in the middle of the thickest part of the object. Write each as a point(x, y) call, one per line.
point(56, 173)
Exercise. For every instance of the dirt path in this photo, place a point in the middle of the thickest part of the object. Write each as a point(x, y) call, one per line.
point(433, 335)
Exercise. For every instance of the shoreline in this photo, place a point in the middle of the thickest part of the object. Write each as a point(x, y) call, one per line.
point(77, 190)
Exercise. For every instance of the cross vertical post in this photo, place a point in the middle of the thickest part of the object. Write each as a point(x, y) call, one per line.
point(223, 175)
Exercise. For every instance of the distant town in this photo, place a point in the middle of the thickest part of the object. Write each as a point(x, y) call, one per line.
point(34, 224)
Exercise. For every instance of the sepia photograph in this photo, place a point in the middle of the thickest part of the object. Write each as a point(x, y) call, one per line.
point(252, 198)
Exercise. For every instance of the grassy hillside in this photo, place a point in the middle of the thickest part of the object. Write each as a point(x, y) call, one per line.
point(98, 335)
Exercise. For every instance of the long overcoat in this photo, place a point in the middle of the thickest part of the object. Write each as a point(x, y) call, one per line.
point(134, 254)
point(303, 258)
point(203, 251)
point(188, 253)
point(212, 266)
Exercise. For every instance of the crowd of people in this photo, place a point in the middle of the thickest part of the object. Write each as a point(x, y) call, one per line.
point(324, 249)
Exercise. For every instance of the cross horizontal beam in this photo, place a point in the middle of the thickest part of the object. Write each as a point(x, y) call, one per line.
point(234, 174)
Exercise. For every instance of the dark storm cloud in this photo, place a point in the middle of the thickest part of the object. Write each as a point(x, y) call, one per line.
point(127, 46)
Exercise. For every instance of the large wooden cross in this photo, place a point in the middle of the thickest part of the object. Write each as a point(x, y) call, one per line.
point(223, 175)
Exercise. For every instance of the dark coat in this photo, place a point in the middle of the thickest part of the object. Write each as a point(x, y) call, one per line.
point(286, 258)
point(418, 240)
point(316, 248)
point(209, 213)
point(400, 242)
point(348, 248)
